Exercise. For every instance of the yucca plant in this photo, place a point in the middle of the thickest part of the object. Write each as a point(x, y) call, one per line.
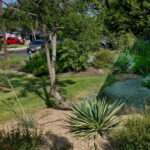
point(94, 117)
point(123, 64)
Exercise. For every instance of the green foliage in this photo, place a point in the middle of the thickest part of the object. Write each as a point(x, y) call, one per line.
point(135, 135)
point(146, 83)
point(104, 59)
point(25, 136)
point(72, 56)
point(141, 55)
point(37, 65)
point(141, 48)
point(94, 118)
point(123, 63)
point(141, 65)
point(1, 45)
point(125, 16)
point(122, 41)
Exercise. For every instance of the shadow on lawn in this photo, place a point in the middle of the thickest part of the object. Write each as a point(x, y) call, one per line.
point(38, 86)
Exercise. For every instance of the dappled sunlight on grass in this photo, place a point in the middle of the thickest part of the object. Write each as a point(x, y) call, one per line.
point(31, 91)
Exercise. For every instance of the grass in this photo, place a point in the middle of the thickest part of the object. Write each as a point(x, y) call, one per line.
point(31, 90)
point(12, 62)
point(16, 45)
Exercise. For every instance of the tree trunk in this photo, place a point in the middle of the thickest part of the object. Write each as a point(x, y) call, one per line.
point(53, 90)
point(51, 61)
point(3, 32)
point(33, 34)
point(4, 42)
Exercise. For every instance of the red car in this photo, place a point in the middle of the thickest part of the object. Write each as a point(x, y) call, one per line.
point(13, 40)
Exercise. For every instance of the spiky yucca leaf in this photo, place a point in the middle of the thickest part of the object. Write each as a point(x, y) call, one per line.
point(94, 117)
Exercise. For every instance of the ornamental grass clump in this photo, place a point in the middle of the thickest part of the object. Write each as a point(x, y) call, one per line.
point(94, 117)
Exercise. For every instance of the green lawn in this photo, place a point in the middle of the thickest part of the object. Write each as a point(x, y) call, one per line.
point(16, 45)
point(31, 90)
point(13, 61)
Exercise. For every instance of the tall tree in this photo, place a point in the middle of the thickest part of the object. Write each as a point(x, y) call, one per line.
point(53, 16)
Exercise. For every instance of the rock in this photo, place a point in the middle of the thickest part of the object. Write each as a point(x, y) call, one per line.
point(130, 91)
point(29, 75)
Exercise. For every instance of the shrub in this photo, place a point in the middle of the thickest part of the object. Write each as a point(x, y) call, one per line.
point(141, 48)
point(141, 65)
point(135, 135)
point(123, 41)
point(146, 83)
point(141, 55)
point(104, 59)
point(25, 136)
point(72, 56)
point(37, 65)
point(94, 118)
point(123, 63)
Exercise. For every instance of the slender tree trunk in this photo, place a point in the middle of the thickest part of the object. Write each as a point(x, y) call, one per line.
point(4, 32)
point(4, 42)
point(54, 90)
point(33, 34)
point(51, 61)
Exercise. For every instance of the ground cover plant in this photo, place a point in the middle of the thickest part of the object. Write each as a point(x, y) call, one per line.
point(130, 91)
point(31, 91)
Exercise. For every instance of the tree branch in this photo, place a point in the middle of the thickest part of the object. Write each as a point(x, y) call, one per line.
point(17, 9)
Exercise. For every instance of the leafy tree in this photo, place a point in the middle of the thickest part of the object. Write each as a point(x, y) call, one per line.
point(54, 18)
point(128, 16)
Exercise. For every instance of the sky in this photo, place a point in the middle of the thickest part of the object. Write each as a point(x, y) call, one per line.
point(8, 1)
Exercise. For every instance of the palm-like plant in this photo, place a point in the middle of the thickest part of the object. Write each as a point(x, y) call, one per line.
point(94, 117)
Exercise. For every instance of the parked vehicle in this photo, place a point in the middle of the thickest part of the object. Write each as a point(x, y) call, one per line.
point(35, 46)
point(13, 40)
